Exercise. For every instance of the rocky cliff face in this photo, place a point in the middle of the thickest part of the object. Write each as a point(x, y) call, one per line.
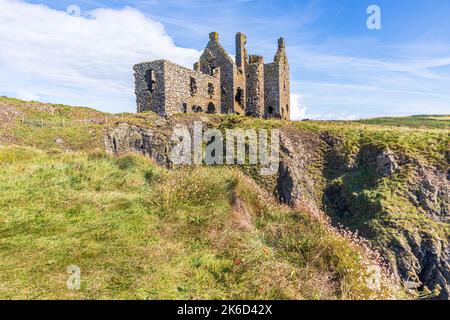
point(420, 260)
point(299, 176)
point(400, 203)
point(418, 255)
point(124, 138)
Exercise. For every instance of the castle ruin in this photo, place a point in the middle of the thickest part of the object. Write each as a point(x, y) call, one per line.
point(217, 83)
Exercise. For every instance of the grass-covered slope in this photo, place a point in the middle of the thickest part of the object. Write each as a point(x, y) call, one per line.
point(140, 231)
point(427, 144)
point(405, 212)
point(420, 121)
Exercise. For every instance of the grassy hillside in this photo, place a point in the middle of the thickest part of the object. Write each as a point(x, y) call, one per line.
point(136, 233)
point(139, 231)
point(419, 121)
point(430, 145)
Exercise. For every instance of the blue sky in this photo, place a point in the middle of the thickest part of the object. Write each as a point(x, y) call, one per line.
point(339, 68)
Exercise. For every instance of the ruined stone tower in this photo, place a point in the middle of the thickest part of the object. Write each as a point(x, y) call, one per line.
point(277, 85)
point(217, 83)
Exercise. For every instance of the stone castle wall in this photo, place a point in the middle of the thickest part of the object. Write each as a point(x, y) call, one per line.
point(240, 80)
point(271, 90)
point(175, 89)
point(190, 91)
point(284, 80)
point(150, 96)
point(239, 92)
point(245, 86)
point(277, 85)
point(255, 87)
point(214, 57)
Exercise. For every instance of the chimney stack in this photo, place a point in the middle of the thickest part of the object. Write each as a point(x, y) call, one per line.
point(214, 36)
point(241, 52)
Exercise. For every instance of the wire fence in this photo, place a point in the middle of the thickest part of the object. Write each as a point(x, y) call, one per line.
point(66, 123)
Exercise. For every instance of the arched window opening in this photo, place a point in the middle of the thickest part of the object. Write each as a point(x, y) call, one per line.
point(211, 108)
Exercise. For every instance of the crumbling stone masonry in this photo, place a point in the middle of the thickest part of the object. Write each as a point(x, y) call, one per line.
point(217, 83)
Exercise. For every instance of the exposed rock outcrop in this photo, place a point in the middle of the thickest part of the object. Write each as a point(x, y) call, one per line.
point(430, 190)
point(125, 138)
point(386, 163)
point(421, 260)
point(299, 173)
point(418, 258)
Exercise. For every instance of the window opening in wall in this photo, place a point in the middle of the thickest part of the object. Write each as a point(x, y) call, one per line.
point(210, 89)
point(270, 110)
point(211, 108)
point(184, 108)
point(240, 96)
point(150, 80)
point(193, 86)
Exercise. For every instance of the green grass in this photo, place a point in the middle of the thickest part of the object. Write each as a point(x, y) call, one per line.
point(423, 137)
point(50, 111)
point(429, 145)
point(419, 121)
point(140, 232)
point(374, 203)
point(11, 101)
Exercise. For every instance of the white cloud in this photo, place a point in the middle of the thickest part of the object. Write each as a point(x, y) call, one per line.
point(83, 60)
point(298, 110)
point(333, 116)
point(27, 96)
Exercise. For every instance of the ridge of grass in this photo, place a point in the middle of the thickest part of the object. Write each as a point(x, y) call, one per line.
point(418, 121)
